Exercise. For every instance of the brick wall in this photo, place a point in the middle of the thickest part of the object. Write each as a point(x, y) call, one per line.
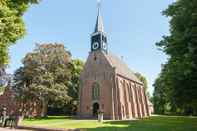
point(120, 97)
point(7, 100)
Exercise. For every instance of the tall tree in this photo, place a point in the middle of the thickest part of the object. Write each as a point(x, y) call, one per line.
point(145, 83)
point(12, 26)
point(45, 75)
point(70, 108)
point(179, 76)
point(143, 80)
point(73, 92)
point(76, 68)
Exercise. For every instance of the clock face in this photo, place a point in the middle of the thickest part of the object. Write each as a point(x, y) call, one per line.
point(95, 45)
point(104, 45)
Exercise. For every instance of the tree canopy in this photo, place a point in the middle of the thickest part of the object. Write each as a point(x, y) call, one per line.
point(76, 68)
point(12, 26)
point(143, 80)
point(45, 75)
point(176, 86)
point(70, 108)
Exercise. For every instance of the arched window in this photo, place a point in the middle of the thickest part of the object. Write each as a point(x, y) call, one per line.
point(129, 90)
point(95, 91)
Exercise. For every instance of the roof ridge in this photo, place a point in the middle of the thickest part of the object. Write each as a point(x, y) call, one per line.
point(121, 67)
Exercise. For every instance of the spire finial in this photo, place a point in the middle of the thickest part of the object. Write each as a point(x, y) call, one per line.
point(99, 23)
point(99, 4)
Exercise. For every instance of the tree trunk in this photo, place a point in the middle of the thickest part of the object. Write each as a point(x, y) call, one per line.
point(44, 108)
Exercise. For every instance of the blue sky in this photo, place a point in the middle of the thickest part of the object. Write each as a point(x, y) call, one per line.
point(133, 27)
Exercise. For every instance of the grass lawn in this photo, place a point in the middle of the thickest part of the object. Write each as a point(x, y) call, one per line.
point(156, 123)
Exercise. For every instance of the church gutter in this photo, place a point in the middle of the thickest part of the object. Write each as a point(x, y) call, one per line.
point(130, 79)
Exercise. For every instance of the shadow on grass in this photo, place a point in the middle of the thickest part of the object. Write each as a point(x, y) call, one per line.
point(157, 123)
point(151, 124)
point(51, 118)
point(126, 122)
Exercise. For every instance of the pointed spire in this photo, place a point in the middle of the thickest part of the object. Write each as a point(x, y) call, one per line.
point(99, 22)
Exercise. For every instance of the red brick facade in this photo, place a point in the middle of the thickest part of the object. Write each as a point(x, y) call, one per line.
point(120, 97)
point(7, 100)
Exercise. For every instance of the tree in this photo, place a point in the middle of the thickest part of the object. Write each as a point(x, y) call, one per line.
point(76, 68)
point(73, 91)
point(161, 93)
point(45, 75)
point(12, 26)
point(143, 80)
point(70, 108)
point(179, 75)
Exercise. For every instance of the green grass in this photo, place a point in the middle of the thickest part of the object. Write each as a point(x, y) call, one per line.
point(156, 123)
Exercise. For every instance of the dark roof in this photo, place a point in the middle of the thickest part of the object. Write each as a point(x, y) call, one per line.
point(99, 27)
point(121, 68)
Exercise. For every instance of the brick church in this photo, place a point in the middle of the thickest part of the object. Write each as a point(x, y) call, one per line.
point(108, 85)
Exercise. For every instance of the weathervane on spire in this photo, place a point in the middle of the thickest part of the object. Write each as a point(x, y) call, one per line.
point(99, 4)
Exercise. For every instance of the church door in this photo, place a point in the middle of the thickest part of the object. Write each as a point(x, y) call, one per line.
point(95, 109)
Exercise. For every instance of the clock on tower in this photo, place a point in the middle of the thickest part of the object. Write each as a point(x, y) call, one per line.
point(99, 38)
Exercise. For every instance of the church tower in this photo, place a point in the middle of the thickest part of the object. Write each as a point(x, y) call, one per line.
point(107, 85)
point(98, 37)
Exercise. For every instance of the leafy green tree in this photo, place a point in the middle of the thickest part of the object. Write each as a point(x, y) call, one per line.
point(179, 76)
point(70, 108)
point(45, 75)
point(143, 80)
point(12, 26)
point(76, 68)
point(73, 92)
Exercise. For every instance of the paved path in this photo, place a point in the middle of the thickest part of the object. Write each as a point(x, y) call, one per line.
point(37, 129)
point(8, 129)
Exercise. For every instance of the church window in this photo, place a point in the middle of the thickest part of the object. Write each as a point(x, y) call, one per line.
point(87, 107)
point(95, 58)
point(122, 84)
point(129, 90)
point(95, 91)
point(111, 77)
point(123, 111)
point(102, 106)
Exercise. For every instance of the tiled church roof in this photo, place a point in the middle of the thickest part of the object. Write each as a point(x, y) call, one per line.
point(121, 67)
